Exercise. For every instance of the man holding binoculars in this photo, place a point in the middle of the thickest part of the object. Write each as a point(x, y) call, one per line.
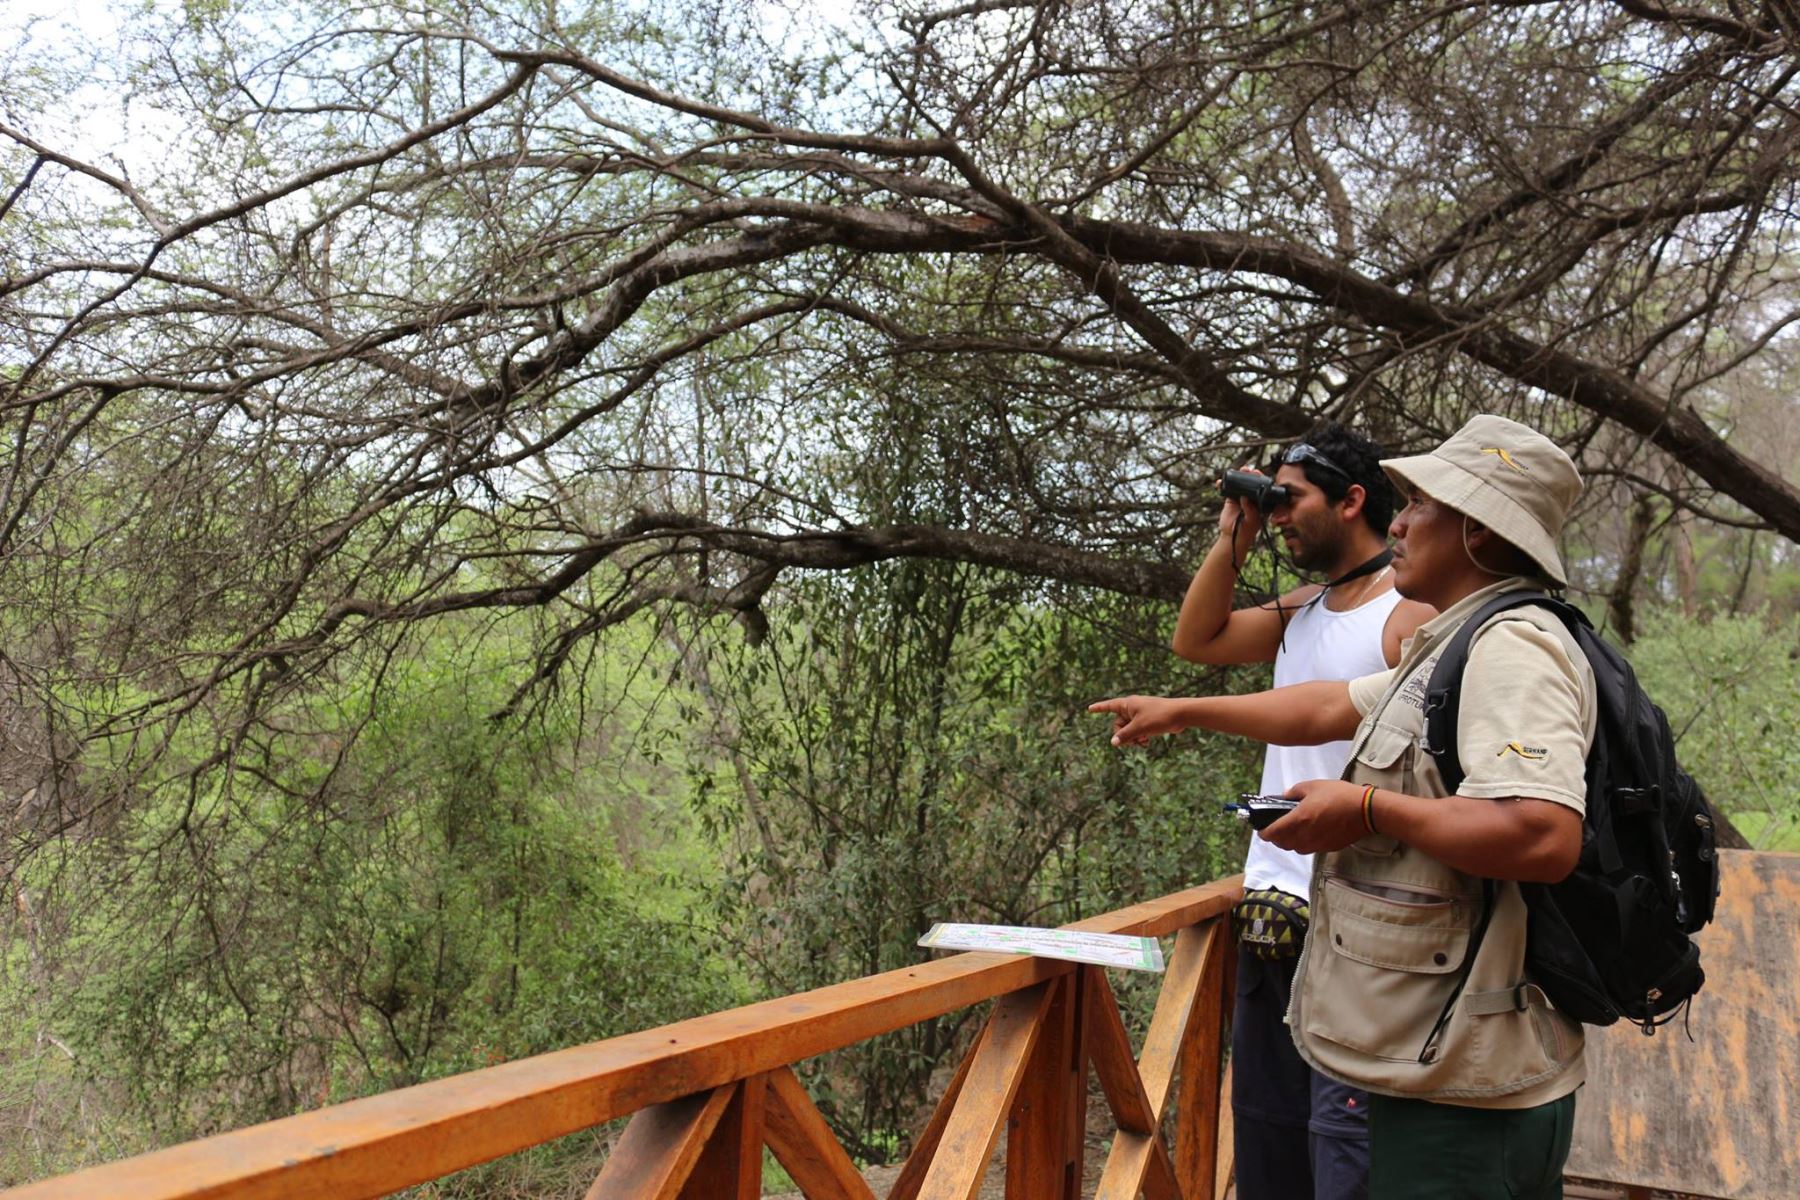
point(1331, 503)
point(1415, 981)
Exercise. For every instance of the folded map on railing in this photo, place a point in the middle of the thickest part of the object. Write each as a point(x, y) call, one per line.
point(1101, 949)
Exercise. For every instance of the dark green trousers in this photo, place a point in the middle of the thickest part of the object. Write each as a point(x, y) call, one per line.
point(1424, 1151)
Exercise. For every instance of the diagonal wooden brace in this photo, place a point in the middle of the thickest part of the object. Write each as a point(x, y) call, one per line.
point(804, 1145)
point(730, 1164)
point(996, 1068)
point(912, 1172)
point(660, 1146)
point(1139, 1161)
point(1174, 1052)
point(1200, 1099)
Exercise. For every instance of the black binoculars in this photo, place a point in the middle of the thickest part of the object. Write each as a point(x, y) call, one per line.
point(1259, 490)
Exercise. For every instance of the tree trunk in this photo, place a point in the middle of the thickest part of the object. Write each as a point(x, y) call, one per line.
point(1687, 571)
point(1621, 607)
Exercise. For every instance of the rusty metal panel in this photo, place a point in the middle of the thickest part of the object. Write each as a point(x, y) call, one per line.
point(1719, 1115)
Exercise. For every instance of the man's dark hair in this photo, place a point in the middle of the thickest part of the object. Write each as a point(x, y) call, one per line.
point(1361, 460)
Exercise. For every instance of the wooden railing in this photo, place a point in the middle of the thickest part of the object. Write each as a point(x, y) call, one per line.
point(709, 1093)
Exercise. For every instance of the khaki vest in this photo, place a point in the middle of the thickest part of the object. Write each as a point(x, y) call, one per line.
point(1392, 926)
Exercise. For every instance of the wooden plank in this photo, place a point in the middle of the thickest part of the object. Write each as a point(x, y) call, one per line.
point(1174, 1008)
point(1138, 1161)
point(1202, 1054)
point(1226, 1155)
point(1138, 1164)
point(730, 1165)
point(912, 1172)
point(1712, 1116)
point(804, 1145)
point(660, 1146)
point(380, 1144)
point(995, 1073)
point(1043, 1133)
point(1109, 1049)
point(1076, 1110)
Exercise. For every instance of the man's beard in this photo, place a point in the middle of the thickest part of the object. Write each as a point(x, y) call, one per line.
point(1311, 555)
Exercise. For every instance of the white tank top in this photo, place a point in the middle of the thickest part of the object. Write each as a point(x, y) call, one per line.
point(1320, 644)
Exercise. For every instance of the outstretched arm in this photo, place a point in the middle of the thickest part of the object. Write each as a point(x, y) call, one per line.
point(1306, 714)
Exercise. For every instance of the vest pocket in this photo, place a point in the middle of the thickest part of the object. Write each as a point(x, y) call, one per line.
point(1523, 1040)
point(1387, 963)
point(1381, 750)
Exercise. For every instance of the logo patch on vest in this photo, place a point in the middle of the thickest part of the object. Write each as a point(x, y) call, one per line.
point(1532, 753)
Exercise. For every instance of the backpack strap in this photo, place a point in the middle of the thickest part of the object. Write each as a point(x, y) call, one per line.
point(1443, 692)
point(1443, 701)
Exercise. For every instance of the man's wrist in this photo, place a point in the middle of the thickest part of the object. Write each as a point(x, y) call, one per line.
point(1234, 554)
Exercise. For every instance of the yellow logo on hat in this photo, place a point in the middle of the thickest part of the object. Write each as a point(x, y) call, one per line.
point(1523, 751)
point(1505, 458)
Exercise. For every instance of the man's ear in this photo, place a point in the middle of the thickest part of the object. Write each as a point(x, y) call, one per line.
point(1351, 505)
point(1478, 535)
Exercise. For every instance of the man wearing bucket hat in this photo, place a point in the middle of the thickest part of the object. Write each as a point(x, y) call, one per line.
point(1297, 1134)
point(1471, 1072)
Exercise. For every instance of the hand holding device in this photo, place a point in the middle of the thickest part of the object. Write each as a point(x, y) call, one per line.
point(1262, 811)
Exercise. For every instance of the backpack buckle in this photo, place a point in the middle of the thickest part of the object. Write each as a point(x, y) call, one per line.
point(1433, 702)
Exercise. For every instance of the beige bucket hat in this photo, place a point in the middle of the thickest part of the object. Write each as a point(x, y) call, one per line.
point(1506, 475)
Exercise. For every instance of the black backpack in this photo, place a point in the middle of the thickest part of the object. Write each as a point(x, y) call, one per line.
point(1612, 939)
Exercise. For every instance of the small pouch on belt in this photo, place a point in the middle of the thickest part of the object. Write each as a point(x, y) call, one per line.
point(1271, 922)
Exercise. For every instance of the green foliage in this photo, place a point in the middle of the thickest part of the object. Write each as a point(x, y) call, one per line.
point(414, 890)
point(918, 750)
point(1731, 688)
point(404, 887)
point(488, 369)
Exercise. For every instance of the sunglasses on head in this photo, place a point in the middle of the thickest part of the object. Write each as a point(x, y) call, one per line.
point(1301, 452)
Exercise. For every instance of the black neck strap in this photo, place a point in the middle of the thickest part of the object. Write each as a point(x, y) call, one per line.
point(1369, 568)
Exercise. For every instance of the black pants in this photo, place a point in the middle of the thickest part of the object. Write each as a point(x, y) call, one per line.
point(1426, 1151)
point(1298, 1135)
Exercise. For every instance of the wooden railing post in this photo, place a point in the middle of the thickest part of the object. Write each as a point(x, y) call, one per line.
point(730, 1166)
point(1045, 1125)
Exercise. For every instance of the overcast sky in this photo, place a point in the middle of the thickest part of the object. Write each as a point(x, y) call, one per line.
point(102, 124)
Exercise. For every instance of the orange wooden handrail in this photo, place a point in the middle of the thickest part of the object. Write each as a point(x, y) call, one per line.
point(380, 1144)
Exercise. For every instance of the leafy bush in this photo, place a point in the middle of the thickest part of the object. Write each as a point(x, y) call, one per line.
point(1731, 688)
point(402, 893)
point(918, 750)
